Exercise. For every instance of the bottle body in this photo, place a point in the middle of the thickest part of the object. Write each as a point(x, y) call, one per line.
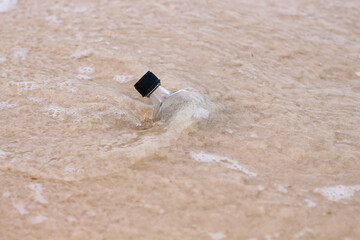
point(166, 103)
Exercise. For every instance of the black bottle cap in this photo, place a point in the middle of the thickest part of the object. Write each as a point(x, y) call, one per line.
point(147, 84)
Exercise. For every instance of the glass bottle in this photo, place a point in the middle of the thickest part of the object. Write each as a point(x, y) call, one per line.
point(165, 102)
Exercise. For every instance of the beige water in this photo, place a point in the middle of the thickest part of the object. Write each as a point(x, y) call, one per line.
point(271, 150)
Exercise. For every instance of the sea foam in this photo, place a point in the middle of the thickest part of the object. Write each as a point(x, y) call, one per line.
point(37, 188)
point(217, 235)
point(19, 206)
point(7, 5)
point(123, 78)
point(6, 104)
point(227, 162)
point(338, 192)
point(39, 219)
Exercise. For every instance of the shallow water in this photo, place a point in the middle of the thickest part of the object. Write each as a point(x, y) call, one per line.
point(277, 157)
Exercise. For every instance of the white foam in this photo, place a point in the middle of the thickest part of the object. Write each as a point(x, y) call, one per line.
point(153, 207)
point(303, 232)
point(123, 78)
point(310, 203)
point(229, 130)
point(201, 113)
point(260, 188)
point(91, 213)
point(83, 77)
point(21, 54)
point(60, 112)
point(86, 70)
point(7, 5)
point(36, 99)
point(6, 104)
point(39, 219)
point(280, 188)
point(71, 219)
point(338, 192)
point(3, 154)
point(357, 74)
point(67, 84)
point(81, 54)
point(268, 237)
point(253, 135)
point(26, 85)
point(71, 170)
point(125, 115)
point(217, 235)
point(37, 187)
point(19, 206)
point(227, 162)
point(52, 18)
point(3, 59)
point(55, 111)
point(80, 9)
point(6, 194)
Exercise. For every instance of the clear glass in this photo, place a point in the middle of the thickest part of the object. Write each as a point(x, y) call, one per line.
point(165, 103)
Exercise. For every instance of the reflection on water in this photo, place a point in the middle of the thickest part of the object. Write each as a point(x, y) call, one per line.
point(271, 152)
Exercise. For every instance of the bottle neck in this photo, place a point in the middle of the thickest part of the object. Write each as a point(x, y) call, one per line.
point(159, 95)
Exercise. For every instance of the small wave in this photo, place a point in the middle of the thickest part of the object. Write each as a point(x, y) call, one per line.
point(130, 147)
